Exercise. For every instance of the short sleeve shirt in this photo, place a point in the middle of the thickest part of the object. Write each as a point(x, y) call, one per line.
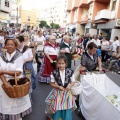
point(88, 62)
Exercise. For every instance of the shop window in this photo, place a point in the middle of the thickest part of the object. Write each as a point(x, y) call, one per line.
point(114, 4)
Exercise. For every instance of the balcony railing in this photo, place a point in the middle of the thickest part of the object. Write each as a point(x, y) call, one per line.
point(105, 14)
point(75, 4)
point(85, 18)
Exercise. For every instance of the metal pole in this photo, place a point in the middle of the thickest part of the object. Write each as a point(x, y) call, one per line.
point(17, 18)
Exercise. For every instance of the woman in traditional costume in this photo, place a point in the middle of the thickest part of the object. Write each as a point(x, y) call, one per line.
point(48, 65)
point(11, 62)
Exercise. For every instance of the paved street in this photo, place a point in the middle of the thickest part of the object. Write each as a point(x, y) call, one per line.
point(40, 93)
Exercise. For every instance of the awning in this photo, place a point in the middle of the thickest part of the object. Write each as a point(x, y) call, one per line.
point(108, 25)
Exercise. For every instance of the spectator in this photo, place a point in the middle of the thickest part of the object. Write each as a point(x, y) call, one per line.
point(100, 36)
point(104, 45)
point(86, 40)
point(116, 43)
point(115, 57)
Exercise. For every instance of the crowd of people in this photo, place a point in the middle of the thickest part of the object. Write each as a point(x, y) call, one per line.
point(53, 52)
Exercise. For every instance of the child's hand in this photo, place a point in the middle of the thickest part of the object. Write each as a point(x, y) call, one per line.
point(61, 88)
point(68, 88)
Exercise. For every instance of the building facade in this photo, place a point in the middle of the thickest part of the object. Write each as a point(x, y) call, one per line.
point(55, 13)
point(5, 10)
point(29, 14)
point(94, 17)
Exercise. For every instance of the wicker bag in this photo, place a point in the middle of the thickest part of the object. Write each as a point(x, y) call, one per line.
point(19, 87)
point(77, 88)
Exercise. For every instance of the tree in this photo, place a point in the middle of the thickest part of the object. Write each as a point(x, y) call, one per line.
point(54, 26)
point(42, 24)
point(47, 26)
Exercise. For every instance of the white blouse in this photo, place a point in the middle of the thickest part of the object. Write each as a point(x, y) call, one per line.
point(39, 39)
point(51, 50)
point(27, 54)
point(105, 43)
point(62, 75)
point(17, 65)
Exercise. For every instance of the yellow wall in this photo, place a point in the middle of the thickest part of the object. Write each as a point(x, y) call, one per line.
point(33, 17)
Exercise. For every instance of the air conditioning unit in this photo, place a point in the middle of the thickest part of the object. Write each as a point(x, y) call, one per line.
point(118, 23)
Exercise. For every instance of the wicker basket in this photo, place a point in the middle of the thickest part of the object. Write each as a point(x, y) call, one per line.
point(17, 90)
point(75, 56)
point(77, 88)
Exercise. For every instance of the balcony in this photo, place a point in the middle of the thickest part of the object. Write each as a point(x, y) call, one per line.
point(75, 4)
point(69, 5)
point(84, 20)
point(105, 14)
point(83, 4)
point(102, 1)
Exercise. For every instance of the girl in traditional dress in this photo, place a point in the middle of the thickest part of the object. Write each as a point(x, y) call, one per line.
point(48, 65)
point(60, 101)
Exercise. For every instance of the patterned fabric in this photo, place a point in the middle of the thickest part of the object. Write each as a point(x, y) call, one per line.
point(68, 75)
point(17, 55)
point(40, 76)
point(15, 117)
point(59, 100)
point(88, 62)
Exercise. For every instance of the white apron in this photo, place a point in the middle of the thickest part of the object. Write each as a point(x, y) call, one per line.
point(8, 105)
point(13, 106)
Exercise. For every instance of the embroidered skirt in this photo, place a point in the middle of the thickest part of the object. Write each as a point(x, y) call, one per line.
point(58, 103)
point(15, 117)
point(46, 69)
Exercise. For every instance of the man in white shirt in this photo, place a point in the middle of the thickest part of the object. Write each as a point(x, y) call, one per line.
point(116, 43)
point(96, 41)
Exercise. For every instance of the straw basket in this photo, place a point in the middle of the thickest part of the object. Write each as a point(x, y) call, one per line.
point(75, 56)
point(77, 88)
point(19, 87)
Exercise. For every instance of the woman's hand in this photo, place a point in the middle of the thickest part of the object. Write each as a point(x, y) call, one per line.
point(68, 88)
point(100, 69)
point(7, 84)
point(51, 61)
point(1, 72)
point(62, 51)
point(61, 88)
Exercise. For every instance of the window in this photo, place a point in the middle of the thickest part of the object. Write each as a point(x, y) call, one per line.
point(28, 18)
point(7, 3)
point(113, 4)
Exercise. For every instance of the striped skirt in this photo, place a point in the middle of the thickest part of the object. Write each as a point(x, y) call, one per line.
point(15, 117)
point(59, 101)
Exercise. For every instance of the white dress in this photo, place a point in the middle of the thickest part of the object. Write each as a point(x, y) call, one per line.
point(12, 106)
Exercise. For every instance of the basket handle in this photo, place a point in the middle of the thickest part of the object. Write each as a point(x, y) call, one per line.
point(16, 79)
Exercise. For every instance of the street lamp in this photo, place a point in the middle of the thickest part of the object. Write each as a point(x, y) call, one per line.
point(17, 2)
point(17, 18)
